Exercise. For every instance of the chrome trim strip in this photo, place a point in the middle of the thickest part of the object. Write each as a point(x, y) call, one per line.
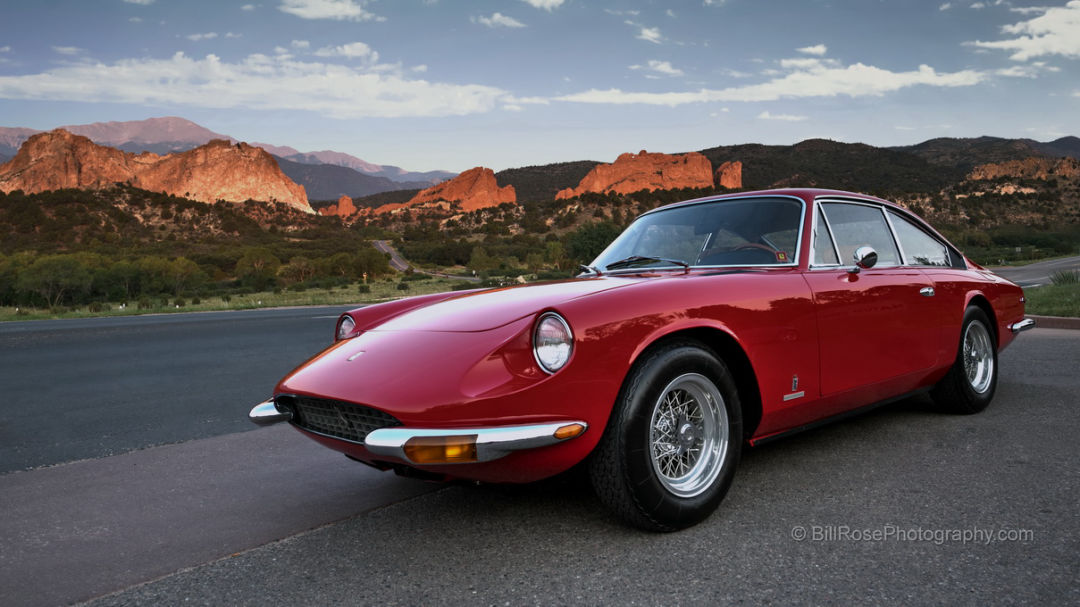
point(794, 395)
point(1023, 325)
point(265, 414)
point(491, 443)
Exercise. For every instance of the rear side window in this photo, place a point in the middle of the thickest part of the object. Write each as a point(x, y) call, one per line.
point(856, 225)
point(920, 249)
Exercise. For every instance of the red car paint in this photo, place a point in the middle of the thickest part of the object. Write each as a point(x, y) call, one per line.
point(844, 340)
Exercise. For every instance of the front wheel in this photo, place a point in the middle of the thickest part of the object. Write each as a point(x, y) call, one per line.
point(669, 452)
point(970, 384)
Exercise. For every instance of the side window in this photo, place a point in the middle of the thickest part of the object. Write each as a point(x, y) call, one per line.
point(920, 249)
point(824, 253)
point(856, 225)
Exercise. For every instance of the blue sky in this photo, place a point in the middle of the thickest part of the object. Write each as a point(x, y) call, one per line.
point(445, 84)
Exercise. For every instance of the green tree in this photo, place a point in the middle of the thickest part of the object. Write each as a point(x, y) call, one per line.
point(257, 267)
point(55, 277)
point(586, 242)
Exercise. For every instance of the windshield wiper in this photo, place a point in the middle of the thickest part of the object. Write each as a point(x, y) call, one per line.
point(589, 269)
point(634, 260)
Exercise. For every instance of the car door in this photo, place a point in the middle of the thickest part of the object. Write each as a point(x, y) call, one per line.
point(873, 325)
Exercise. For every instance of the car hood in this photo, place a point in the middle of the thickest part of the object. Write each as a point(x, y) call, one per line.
point(485, 310)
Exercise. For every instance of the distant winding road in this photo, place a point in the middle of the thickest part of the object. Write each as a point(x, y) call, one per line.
point(400, 264)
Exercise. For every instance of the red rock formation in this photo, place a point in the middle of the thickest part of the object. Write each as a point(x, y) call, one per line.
point(216, 171)
point(729, 175)
point(645, 171)
point(1029, 168)
point(343, 209)
point(474, 189)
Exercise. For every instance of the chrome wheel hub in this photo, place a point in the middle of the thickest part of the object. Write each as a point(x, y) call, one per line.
point(978, 357)
point(688, 436)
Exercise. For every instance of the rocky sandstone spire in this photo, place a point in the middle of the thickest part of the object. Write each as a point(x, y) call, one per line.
point(216, 171)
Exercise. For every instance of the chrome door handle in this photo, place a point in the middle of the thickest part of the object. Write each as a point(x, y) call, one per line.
point(926, 291)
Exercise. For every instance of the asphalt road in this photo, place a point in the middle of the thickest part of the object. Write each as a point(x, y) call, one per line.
point(221, 515)
point(1038, 273)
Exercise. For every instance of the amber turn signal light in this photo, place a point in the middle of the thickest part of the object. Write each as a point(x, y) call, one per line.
point(441, 449)
point(569, 431)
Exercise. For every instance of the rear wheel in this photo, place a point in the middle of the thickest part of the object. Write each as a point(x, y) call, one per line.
point(970, 384)
point(669, 453)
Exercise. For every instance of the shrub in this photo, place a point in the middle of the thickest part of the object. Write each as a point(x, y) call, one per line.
point(1065, 277)
point(179, 302)
point(226, 298)
point(402, 286)
point(364, 289)
point(196, 301)
point(97, 307)
point(145, 303)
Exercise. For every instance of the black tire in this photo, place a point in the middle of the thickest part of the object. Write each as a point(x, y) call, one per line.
point(961, 392)
point(624, 472)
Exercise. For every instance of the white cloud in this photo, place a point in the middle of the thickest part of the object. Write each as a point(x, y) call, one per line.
point(714, 2)
point(497, 20)
point(420, 69)
point(621, 13)
point(817, 49)
point(300, 44)
point(1031, 70)
point(786, 117)
point(353, 50)
point(978, 5)
point(945, 7)
point(5, 49)
point(198, 37)
point(807, 63)
point(735, 73)
point(1029, 10)
point(659, 67)
point(140, 2)
point(257, 82)
point(233, 35)
point(1054, 32)
point(69, 50)
point(547, 5)
point(857, 80)
point(248, 7)
point(650, 34)
point(135, 19)
point(337, 10)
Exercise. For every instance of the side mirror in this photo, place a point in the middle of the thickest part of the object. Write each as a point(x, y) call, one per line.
point(865, 258)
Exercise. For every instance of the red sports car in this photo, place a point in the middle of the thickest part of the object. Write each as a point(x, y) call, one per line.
point(707, 324)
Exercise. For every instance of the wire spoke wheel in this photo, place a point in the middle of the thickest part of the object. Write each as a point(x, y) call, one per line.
point(688, 435)
point(978, 357)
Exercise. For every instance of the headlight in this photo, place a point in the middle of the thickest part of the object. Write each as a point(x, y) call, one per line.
point(345, 327)
point(552, 342)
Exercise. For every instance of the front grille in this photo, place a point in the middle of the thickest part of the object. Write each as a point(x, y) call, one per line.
point(335, 418)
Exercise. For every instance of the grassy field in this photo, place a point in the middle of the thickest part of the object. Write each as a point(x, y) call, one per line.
point(1054, 300)
point(347, 295)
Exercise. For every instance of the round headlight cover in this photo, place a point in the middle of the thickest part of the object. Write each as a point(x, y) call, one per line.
point(552, 342)
point(345, 327)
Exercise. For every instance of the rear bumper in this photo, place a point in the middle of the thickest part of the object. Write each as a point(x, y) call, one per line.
point(1022, 325)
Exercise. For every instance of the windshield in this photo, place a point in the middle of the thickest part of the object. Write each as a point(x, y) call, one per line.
point(738, 232)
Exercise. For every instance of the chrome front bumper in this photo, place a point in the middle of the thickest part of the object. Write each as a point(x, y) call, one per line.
point(265, 413)
point(1022, 325)
point(491, 443)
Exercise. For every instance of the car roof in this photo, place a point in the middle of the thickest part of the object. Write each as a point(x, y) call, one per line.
point(806, 194)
